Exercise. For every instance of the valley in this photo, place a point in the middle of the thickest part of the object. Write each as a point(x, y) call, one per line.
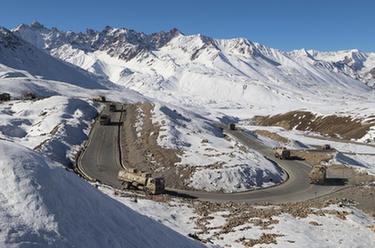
point(176, 98)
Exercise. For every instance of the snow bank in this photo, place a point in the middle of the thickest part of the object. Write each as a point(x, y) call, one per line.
point(364, 162)
point(42, 204)
point(138, 125)
point(56, 125)
point(175, 214)
point(238, 178)
point(330, 232)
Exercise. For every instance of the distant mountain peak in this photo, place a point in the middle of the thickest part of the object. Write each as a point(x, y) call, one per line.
point(8, 39)
point(37, 25)
point(117, 42)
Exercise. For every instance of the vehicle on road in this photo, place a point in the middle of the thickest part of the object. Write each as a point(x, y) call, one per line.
point(232, 126)
point(318, 174)
point(4, 97)
point(281, 153)
point(133, 178)
point(105, 120)
point(99, 98)
point(326, 147)
point(29, 96)
point(112, 107)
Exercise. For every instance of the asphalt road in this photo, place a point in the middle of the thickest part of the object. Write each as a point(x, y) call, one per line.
point(101, 161)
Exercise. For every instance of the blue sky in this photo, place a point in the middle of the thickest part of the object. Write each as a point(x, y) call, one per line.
point(283, 24)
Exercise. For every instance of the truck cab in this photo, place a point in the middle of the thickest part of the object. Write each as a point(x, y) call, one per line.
point(318, 174)
point(232, 126)
point(156, 185)
point(112, 107)
point(105, 120)
point(99, 98)
point(282, 153)
point(326, 147)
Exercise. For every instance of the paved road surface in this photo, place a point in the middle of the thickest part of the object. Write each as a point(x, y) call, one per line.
point(101, 162)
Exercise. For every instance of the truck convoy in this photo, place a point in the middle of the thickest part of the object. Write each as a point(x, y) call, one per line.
point(133, 178)
point(281, 153)
point(318, 174)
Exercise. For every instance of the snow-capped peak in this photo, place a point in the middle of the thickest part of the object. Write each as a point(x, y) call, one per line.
point(37, 25)
point(117, 42)
point(114, 51)
point(8, 39)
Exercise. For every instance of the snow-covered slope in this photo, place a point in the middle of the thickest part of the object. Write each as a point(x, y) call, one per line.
point(18, 54)
point(44, 205)
point(54, 125)
point(355, 63)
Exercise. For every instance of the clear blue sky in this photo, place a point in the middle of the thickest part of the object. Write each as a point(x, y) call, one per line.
point(283, 24)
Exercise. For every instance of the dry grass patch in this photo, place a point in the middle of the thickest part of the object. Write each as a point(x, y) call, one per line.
point(332, 125)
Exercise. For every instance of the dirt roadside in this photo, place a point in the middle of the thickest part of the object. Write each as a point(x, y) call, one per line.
point(141, 150)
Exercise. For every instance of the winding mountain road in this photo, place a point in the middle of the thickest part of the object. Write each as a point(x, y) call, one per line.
point(296, 188)
point(101, 161)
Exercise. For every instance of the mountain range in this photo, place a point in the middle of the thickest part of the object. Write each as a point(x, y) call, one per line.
point(129, 45)
point(192, 69)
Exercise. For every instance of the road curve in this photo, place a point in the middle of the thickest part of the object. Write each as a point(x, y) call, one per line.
point(296, 188)
point(101, 161)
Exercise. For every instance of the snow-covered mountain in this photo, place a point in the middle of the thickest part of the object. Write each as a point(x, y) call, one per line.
point(169, 48)
point(230, 72)
point(192, 78)
point(21, 55)
point(122, 43)
point(354, 63)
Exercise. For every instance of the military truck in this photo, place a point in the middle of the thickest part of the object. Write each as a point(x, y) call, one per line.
point(281, 153)
point(105, 120)
point(326, 147)
point(4, 97)
point(112, 107)
point(99, 99)
point(133, 178)
point(29, 96)
point(232, 126)
point(318, 174)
